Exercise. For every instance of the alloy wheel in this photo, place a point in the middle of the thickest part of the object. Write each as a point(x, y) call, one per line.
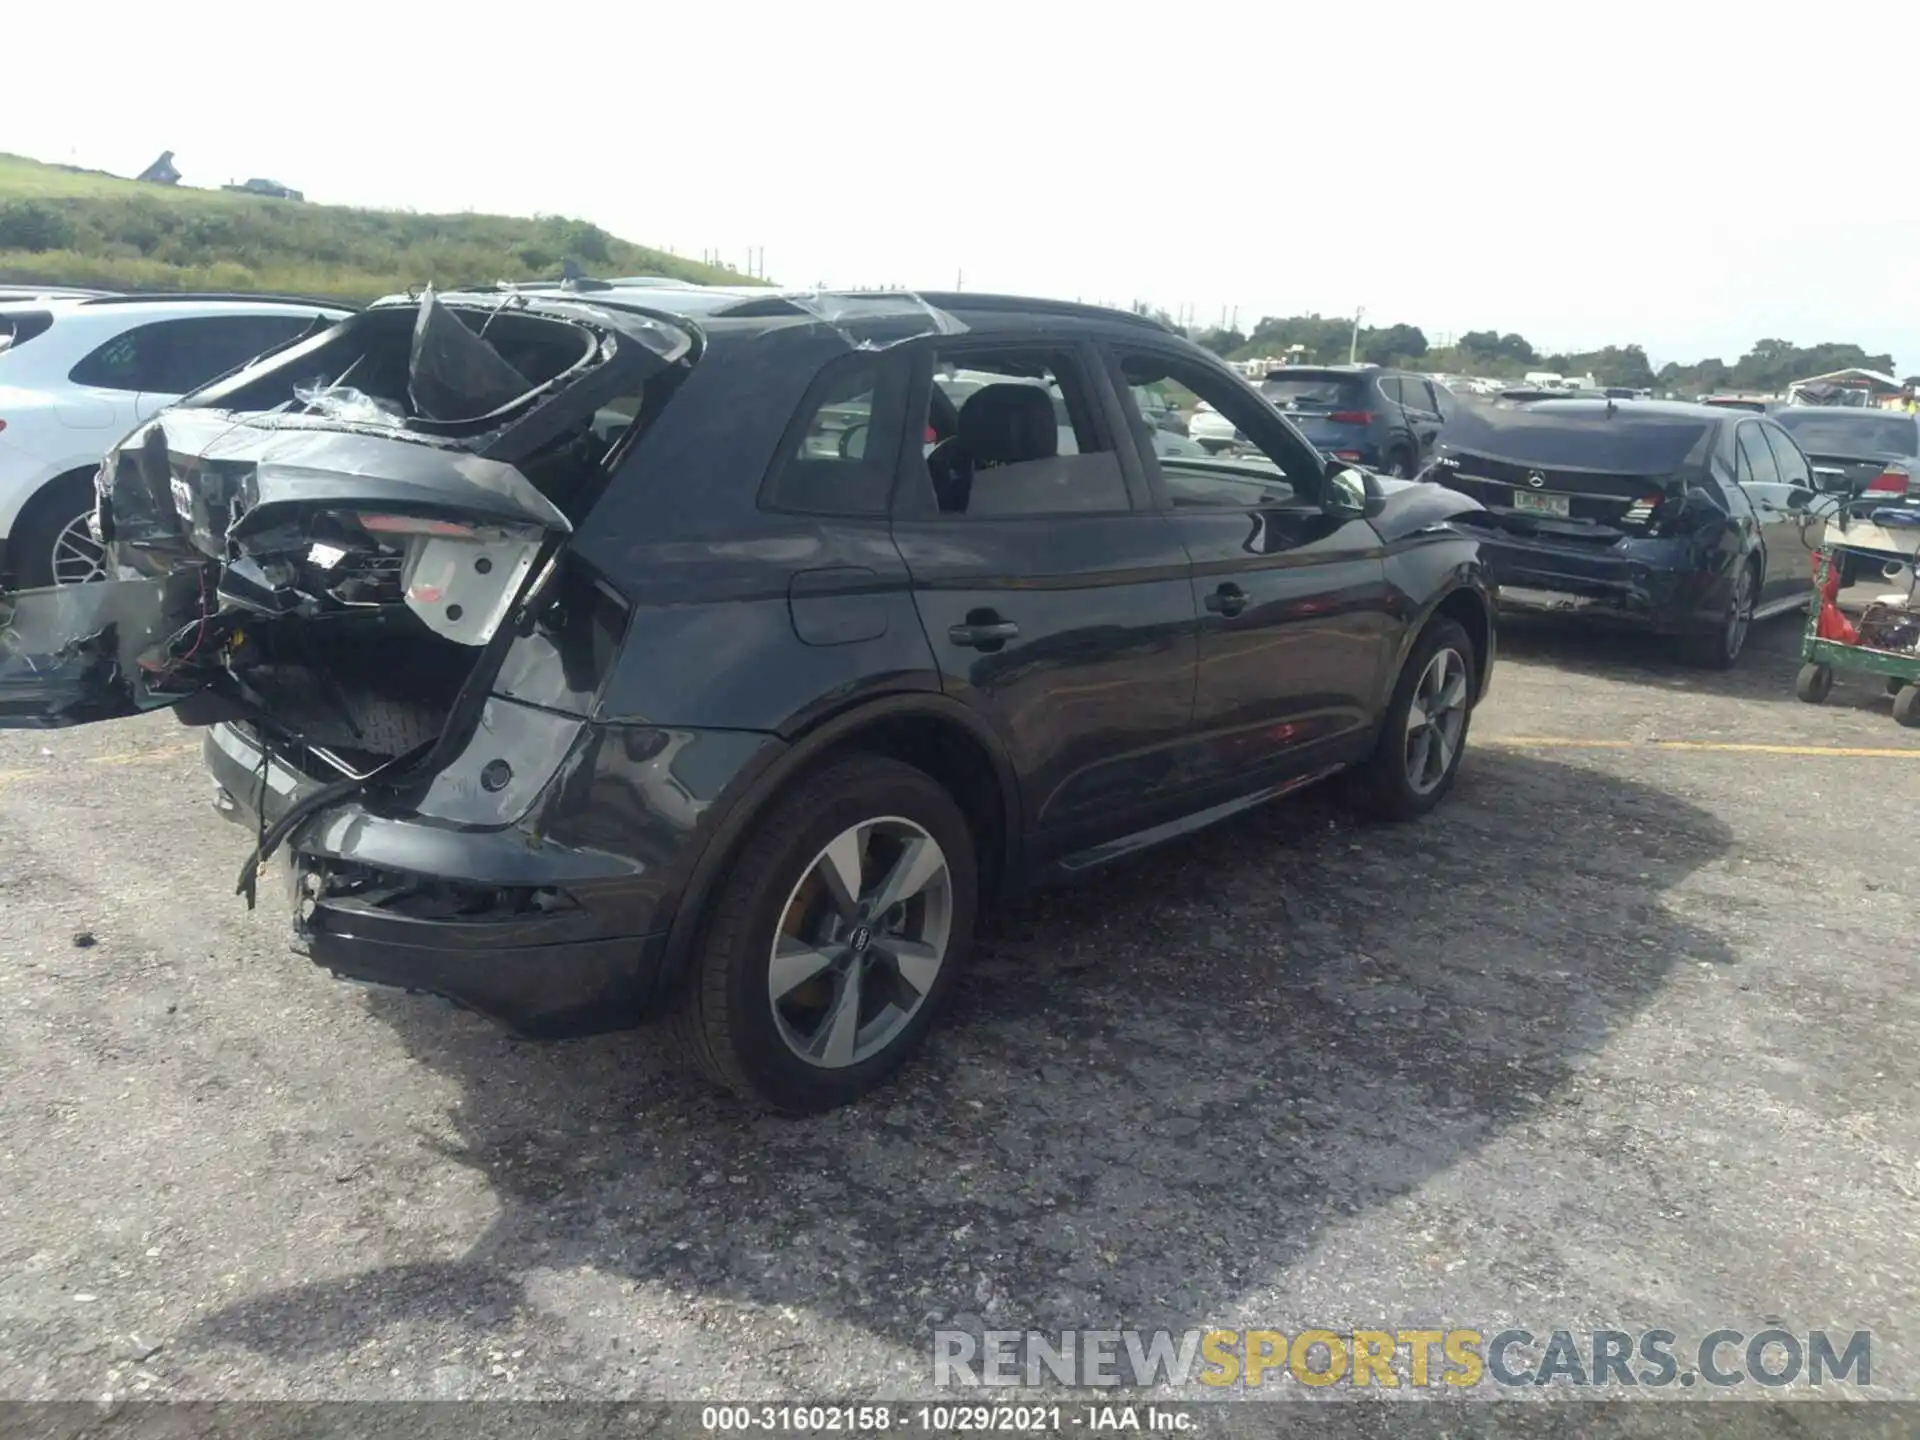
point(1739, 612)
point(78, 559)
point(861, 941)
point(1436, 719)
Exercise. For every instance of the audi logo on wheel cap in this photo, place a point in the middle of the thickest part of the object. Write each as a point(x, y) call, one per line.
point(1536, 479)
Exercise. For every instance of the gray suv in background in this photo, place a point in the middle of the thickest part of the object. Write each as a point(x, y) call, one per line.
point(1386, 420)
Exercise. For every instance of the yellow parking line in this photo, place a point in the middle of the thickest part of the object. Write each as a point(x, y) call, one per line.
point(1567, 742)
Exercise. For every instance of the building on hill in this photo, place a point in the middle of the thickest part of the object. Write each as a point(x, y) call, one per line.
point(161, 172)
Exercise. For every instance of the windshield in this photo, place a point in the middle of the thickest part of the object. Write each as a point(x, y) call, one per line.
point(1821, 432)
point(1327, 392)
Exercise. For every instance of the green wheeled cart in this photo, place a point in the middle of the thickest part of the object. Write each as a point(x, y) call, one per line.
point(1881, 625)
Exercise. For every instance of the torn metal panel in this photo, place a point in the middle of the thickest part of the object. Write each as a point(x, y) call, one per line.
point(197, 483)
point(79, 653)
point(463, 587)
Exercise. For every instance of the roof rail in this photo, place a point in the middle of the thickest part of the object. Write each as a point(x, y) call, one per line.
point(237, 297)
point(1017, 304)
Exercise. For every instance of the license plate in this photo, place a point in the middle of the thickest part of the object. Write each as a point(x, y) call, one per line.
point(1533, 503)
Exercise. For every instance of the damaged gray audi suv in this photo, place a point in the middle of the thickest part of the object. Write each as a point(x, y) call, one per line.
point(585, 657)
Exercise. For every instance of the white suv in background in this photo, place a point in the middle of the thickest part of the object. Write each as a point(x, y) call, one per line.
point(77, 373)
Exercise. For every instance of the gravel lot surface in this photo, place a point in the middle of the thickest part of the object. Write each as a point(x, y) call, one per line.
point(1625, 1035)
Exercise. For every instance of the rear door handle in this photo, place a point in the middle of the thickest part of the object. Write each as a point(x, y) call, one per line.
point(1229, 599)
point(983, 634)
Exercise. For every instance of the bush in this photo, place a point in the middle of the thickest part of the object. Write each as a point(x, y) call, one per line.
point(33, 225)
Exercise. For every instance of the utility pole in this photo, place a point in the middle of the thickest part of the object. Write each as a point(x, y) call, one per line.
point(959, 280)
point(1353, 346)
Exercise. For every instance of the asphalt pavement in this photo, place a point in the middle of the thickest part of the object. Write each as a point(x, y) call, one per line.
point(1625, 1035)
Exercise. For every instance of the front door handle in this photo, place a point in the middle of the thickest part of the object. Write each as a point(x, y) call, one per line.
point(983, 634)
point(1229, 599)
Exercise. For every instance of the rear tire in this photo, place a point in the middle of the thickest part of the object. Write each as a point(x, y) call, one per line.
point(1398, 466)
point(782, 909)
point(1387, 786)
point(43, 527)
point(1721, 647)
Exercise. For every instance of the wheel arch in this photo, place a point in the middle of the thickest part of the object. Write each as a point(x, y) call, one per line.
point(33, 502)
point(1467, 604)
point(929, 731)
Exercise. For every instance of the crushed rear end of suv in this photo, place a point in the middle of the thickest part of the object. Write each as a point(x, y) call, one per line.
point(346, 560)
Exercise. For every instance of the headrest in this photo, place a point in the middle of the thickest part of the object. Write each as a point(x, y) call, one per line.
point(1005, 424)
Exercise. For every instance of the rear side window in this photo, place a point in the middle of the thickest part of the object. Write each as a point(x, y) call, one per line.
point(174, 357)
point(18, 328)
point(1756, 457)
point(1787, 458)
point(1416, 395)
point(840, 452)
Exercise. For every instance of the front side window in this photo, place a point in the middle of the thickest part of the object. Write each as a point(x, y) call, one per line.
point(1018, 432)
point(1282, 470)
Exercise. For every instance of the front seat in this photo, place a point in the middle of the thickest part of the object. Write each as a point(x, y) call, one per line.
point(1004, 424)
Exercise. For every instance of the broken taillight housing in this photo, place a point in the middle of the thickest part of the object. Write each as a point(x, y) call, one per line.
point(413, 525)
point(1889, 482)
point(1642, 511)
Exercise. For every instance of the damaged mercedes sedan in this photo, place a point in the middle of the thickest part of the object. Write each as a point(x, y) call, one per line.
point(582, 658)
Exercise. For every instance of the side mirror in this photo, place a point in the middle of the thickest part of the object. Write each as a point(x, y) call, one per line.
point(1351, 493)
point(1798, 499)
point(853, 442)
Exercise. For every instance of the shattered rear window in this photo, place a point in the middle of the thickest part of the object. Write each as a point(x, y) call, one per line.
point(1331, 392)
point(1560, 437)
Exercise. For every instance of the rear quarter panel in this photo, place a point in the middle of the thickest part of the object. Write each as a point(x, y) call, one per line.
point(722, 591)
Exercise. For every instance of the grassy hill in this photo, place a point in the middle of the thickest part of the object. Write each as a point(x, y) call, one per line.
point(62, 227)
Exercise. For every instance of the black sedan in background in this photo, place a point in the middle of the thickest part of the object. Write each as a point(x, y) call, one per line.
point(1856, 451)
point(1686, 520)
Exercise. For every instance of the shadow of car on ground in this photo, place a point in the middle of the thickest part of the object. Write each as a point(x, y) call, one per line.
point(1765, 671)
point(1152, 1093)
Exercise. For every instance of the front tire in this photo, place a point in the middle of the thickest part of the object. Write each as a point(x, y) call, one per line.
point(1424, 732)
point(1813, 684)
point(1906, 705)
point(836, 939)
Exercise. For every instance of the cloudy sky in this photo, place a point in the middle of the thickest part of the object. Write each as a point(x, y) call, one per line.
point(1689, 175)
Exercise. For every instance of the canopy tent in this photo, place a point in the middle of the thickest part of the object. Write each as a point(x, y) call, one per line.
point(1843, 387)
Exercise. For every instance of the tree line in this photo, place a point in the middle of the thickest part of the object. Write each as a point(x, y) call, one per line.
point(1325, 340)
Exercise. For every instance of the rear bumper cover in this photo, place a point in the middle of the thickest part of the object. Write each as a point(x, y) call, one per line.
point(1654, 589)
point(584, 957)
